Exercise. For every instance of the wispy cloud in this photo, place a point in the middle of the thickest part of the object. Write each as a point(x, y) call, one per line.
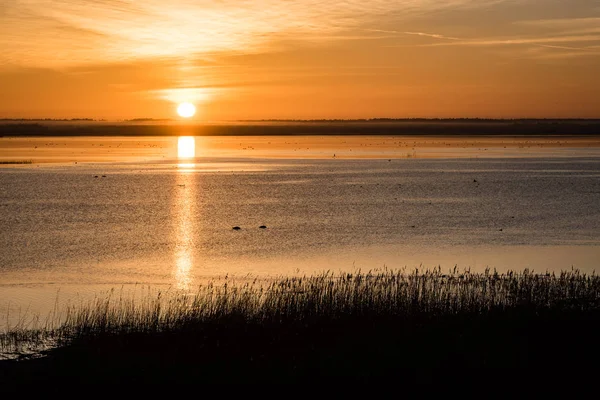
point(563, 22)
point(431, 35)
point(552, 38)
point(518, 41)
point(565, 47)
point(178, 95)
point(565, 26)
point(71, 32)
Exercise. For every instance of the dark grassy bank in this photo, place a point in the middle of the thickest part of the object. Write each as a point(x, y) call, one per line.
point(13, 162)
point(435, 127)
point(405, 327)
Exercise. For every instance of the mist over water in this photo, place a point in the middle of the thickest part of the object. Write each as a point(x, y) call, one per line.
point(77, 228)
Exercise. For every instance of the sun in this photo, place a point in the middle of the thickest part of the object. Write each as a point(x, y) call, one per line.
point(186, 110)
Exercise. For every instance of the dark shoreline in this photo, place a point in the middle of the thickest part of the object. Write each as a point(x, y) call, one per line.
point(516, 128)
point(388, 325)
point(364, 348)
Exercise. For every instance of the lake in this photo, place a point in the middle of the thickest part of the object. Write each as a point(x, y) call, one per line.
point(82, 215)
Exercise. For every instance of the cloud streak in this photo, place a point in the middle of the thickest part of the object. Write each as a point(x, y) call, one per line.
point(518, 41)
point(73, 32)
point(550, 34)
point(565, 23)
point(425, 34)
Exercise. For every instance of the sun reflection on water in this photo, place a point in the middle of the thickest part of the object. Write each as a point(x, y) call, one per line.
point(186, 147)
point(183, 214)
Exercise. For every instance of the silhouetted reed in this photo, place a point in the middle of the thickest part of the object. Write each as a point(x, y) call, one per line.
point(304, 300)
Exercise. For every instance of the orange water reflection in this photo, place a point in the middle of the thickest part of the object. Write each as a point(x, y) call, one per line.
point(154, 148)
point(186, 147)
point(183, 212)
point(184, 230)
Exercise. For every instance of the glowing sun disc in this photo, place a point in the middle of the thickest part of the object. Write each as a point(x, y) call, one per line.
point(186, 110)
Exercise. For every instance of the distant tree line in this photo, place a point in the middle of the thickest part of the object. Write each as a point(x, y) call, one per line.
point(49, 119)
point(454, 127)
point(428, 120)
point(326, 120)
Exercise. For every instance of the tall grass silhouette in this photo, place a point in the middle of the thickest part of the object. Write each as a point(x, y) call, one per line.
point(394, 296)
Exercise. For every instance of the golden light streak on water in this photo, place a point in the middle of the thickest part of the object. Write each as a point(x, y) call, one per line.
point(185, 225)
point(186, 147)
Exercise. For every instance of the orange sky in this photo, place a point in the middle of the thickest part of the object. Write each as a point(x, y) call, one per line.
point(121, 59)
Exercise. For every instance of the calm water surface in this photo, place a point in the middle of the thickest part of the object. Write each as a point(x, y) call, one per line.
point(77, 229)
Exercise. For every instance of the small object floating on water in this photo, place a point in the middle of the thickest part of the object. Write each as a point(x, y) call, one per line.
point(104, 176)
point(413, 226)
point(95, 176)
point(263, 227)
point(475, 180)
point(236, 228)
point(500, 229)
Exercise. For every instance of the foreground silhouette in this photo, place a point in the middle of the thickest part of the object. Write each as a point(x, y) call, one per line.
point(363, 326)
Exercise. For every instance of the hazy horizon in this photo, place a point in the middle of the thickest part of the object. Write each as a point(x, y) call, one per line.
point(368, 119)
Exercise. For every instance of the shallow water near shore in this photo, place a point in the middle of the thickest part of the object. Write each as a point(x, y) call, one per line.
point(83, 219)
